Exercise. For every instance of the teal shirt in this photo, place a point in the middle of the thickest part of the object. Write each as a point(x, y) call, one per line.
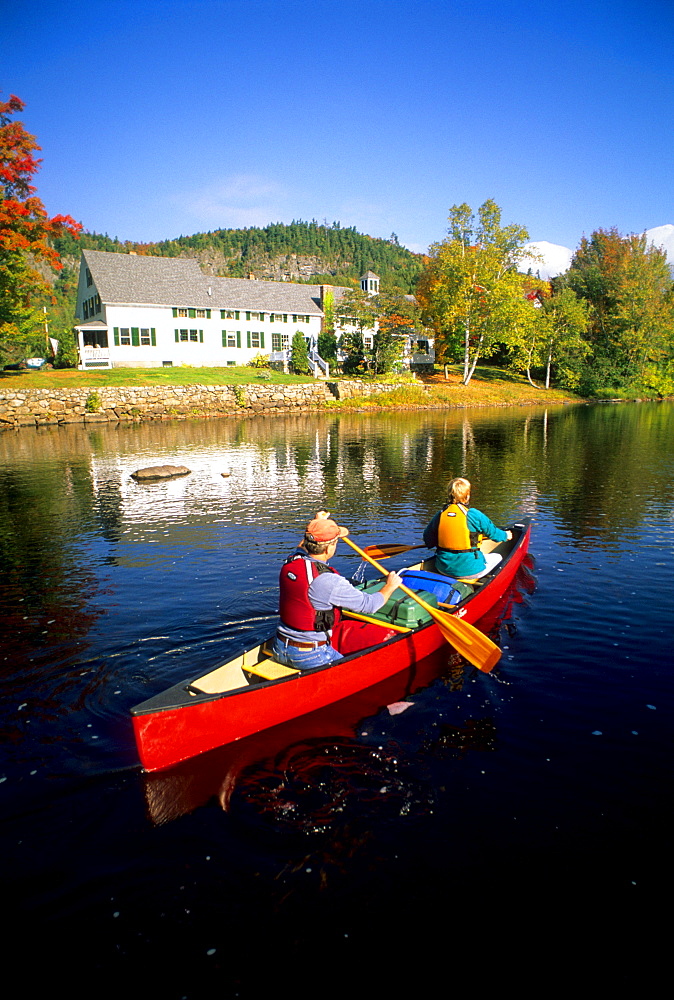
point(463, 563)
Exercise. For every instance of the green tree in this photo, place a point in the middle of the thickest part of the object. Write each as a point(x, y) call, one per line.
point(356, 355)
point(553, 338)
point(399, 321)
point(358, 310)
point(26, 237)
point(327, 346)
point(327, 341)
point(471, 291)
point(299, 354)
point(628, 288)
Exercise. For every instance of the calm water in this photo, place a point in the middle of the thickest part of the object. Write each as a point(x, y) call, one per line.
point(497, 816)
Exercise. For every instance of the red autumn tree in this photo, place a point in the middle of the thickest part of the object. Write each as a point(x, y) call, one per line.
point(25, 233)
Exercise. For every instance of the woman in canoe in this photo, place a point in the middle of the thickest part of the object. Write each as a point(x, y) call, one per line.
point(312, 594)
point(455, 534)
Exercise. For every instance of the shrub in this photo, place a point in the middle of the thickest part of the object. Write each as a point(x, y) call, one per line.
point(299, 354)
point(259, 361)
point(93, 403)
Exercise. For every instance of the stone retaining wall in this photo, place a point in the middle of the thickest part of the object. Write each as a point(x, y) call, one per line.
point(347, 390)
point(31, 407)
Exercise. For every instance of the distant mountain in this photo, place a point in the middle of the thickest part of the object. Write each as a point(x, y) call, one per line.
point(552, 259)
point(663, 237)
point(302, 251)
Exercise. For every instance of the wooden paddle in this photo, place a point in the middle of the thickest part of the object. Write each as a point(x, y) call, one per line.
point(465, 638)
point(386, 551)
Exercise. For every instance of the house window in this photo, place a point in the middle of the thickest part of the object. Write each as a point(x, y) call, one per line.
point(278, 317)
point(280, 341)
point(90, 280)
point(367, 340)
point(231, 338)
point(255, 340)
point(300, 319)
point(180, 312)
point(191, 336)
point(203, 313)
point(229, 314)
point(133, 336)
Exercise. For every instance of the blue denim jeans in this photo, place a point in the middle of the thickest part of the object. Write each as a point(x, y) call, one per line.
point(303, 659)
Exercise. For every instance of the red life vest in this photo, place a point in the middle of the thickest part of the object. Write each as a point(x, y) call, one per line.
point(453, 533)
point(297, 612)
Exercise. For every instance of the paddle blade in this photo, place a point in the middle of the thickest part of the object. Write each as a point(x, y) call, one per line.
point(472, 644)
point(386, 551)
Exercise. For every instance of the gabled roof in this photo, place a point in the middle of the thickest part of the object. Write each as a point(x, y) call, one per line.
point(128, 279)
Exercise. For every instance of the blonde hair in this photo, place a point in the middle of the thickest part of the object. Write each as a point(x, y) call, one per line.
point(458, 490)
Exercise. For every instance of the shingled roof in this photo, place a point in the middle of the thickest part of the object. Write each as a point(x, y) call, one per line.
point(128, 279)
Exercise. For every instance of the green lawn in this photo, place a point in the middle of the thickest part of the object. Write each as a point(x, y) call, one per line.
point(489, 385)
point(66, 378)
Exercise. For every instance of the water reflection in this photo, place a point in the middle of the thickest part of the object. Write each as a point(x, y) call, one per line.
point(550, 776)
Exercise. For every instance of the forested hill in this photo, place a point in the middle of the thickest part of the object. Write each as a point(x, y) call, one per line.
point(302, 251)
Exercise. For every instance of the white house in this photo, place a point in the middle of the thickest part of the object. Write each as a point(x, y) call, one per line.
point(147, 312)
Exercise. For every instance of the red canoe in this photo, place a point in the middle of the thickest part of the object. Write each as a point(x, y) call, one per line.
point(250, 692)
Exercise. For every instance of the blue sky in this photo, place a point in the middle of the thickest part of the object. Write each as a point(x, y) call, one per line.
point(170, 117)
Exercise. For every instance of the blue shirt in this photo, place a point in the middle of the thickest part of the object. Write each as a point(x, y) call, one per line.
point(463, 563)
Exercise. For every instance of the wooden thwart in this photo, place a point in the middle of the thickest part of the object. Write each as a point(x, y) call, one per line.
point(270, 670)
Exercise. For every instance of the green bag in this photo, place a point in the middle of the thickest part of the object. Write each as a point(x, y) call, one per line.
point(401, 609)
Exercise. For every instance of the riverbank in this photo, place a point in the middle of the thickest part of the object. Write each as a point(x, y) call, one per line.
point(64, 397)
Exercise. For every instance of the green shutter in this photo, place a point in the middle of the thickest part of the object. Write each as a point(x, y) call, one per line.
point(224, 338)
point(175, 311)
point(238, 338)
point(261, 338)
point(285, 317)
point(135, 338)
point(177, 333)
point(247, 314)
point(191, 313)
point(208, 314)
point(153, 336)
point(247, 338)
point(201, 336)
point(116, 336)
point(236, 314)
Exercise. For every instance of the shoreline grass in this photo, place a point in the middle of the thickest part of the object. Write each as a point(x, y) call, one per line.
point(490, 386)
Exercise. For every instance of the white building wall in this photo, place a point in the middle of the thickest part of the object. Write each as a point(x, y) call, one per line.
point(199, 340)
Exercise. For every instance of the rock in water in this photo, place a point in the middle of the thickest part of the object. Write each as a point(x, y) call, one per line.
point(161, 472)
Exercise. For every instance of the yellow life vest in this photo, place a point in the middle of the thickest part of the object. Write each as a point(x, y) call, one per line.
point(453, 533)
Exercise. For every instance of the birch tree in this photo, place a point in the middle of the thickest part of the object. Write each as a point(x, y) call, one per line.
point(471, 291)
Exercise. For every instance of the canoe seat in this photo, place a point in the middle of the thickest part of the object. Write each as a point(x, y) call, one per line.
point(270, 670)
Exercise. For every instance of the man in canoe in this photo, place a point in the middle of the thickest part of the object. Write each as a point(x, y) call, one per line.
point(312, 594)
point(455, 534)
